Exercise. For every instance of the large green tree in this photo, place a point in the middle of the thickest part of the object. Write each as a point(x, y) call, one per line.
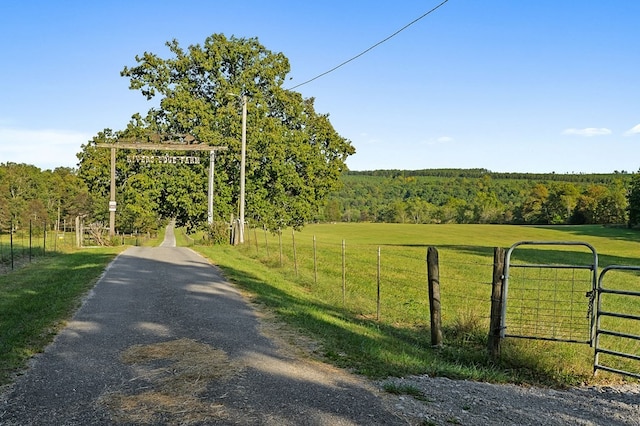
point(145, 191)
point(294, 155)
point(634, 201)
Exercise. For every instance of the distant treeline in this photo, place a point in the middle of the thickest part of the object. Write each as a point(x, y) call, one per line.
point(30, 195)
point(480, 173)
point(480, 196)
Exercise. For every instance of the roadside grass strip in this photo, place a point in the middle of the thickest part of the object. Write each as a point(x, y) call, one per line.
point(300, 276)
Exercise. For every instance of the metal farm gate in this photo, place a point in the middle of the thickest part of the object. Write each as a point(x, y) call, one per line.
point(569, 302)
point(617, 343)
point(547, 301)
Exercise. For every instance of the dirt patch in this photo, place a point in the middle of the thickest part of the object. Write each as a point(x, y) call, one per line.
point(288, 340)
point(18, 263)
point(170, 377)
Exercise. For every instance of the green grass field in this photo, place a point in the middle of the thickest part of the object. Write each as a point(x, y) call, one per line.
point(390, 335)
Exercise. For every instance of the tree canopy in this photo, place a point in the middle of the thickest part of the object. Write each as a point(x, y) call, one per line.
point(294, 155)
point(463, 196)
point(30, 194)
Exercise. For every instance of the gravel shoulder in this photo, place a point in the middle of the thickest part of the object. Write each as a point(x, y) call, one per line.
point(461, 402)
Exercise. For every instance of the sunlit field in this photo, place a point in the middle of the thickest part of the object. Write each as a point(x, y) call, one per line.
point(362, 290)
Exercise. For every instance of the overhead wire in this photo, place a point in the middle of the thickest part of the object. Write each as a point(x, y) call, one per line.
point(370, 48)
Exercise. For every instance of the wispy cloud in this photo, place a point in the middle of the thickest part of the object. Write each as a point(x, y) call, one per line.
point(633, 131)
point(366, 139)
point(439, 140)
point(46, 149)
point(589, 131)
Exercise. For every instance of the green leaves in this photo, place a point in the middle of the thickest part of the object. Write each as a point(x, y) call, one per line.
point(634, 201)
point(27, 193)
point(294, 156)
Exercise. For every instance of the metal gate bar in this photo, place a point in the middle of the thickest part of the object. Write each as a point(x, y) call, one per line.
point(599, 331)
point(591, 293)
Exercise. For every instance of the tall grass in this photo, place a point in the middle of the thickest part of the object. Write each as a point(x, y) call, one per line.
point(392, 338)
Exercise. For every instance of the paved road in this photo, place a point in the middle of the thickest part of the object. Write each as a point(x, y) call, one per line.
point(169, 236)
point(164, 339)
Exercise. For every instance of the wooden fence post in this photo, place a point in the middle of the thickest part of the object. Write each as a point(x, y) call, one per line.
point(255, 237)
point(295, 256)
point(280, 243)
point(315, 262)
point(344, 274)
point(11, 244)
point(378, 295)
point(30, 238)
point(433, 276)
point(496, 302)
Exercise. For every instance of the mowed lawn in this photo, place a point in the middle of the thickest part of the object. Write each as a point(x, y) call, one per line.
point(361, 291)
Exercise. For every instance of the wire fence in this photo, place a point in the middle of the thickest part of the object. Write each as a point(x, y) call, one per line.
point(20, 246)
point(23, 245)
point(387, 283)
point(548, 300)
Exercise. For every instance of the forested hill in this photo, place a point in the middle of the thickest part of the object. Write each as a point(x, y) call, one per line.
point(479, 196)
point(481, 173)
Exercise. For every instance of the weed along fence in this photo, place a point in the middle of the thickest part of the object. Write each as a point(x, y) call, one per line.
point(535, 291)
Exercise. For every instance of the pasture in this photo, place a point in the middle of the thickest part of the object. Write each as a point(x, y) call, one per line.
point(361, 291)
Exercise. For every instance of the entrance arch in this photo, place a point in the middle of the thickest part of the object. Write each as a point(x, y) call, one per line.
point(168, 146)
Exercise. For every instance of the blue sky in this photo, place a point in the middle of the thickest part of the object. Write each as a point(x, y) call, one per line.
point(507, 85)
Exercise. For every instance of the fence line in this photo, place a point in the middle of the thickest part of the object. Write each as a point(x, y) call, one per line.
point(387, 283)
point(22, 245)
point(19, 246)
point(390, 284)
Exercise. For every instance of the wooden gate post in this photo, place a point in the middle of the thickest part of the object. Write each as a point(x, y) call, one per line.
point(433, 276)
point(496, 302)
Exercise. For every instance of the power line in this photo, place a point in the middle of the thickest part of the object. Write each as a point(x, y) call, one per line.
point(370, 48)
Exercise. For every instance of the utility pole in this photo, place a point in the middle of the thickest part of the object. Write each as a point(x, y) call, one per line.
point(112, 198)
point(243, 155)
point(212, 163)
